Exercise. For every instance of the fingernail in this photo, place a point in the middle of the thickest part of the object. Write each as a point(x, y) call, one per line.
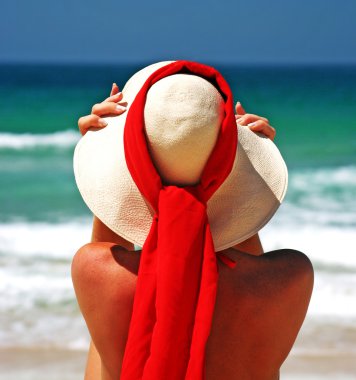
point(103, 123)
point(119, 107)
point(114, 85)
point(116, 97)
point(252, 124)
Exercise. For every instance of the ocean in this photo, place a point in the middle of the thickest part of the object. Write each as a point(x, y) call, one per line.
point(43, 220)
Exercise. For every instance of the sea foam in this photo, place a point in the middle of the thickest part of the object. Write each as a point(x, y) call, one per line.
point(50, 240)
point(61, 139)
point(37, 298)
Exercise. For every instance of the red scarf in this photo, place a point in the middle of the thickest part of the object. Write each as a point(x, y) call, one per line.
point(177, 278)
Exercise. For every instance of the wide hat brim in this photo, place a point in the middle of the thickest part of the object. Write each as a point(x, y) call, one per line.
point(242, 205)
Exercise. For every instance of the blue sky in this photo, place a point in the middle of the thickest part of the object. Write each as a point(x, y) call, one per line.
point(251, 31)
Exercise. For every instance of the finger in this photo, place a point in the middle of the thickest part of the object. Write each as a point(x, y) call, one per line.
point(115, 98)
point(249, 118)
point(108, 108)
point(90, 121)
point(239, 109)
point(262, 127)
point(114, 89)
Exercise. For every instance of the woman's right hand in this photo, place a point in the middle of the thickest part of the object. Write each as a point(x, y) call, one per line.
point(111, 106)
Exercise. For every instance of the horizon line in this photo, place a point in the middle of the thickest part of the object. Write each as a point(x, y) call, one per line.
point(266, 63)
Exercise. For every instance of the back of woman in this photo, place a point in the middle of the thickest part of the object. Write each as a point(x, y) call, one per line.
point(177, 176)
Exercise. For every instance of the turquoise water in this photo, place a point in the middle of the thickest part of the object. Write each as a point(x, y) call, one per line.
point(43, 219)
point(313, 110)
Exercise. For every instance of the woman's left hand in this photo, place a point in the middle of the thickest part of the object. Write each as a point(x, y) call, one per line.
point(254, 122)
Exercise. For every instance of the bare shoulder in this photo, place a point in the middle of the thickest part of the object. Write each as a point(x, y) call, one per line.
point(291, 260)
point(104, 270)
point(281, 281)
point(105, 254)
point(291, 273)
point(260, 307)
point(281, 270)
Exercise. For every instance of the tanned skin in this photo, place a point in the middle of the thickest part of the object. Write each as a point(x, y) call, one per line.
point(260, 306)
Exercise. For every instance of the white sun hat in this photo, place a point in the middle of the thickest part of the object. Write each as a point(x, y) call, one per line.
point(182, 119)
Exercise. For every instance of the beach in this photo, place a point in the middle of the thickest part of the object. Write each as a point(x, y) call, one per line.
point(67, 365)
point(43, 220)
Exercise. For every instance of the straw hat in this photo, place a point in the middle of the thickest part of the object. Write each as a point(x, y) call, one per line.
point(182, 118)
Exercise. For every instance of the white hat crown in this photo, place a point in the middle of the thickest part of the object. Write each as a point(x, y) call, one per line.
point(183, 115)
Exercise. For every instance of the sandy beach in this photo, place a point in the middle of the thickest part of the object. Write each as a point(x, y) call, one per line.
point(69, 365)
point(42, 364)
point(318, 367)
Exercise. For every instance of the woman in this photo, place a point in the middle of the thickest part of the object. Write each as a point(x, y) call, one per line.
point(260, 304)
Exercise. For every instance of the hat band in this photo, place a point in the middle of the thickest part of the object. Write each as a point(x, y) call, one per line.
point(177, 278)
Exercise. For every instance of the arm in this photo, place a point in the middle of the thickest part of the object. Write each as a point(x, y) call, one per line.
point(252, 246)
point(93, 366)
point(101, 233)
